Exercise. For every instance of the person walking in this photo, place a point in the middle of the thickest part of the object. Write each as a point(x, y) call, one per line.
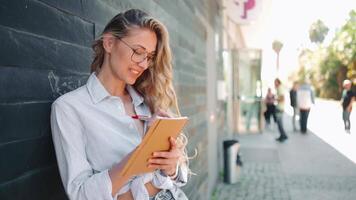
point(293, 103)
point(305, 99)
point(270, 107)
point(346, 101)
point(279, 110)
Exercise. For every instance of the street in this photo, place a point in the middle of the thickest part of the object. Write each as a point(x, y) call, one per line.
point(311, 166)
point(325, 121)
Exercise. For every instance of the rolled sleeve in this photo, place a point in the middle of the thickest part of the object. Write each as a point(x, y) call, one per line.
point(79, 179)
point(182, 176)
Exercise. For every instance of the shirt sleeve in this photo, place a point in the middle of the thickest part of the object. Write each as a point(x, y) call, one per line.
point(182, 176)
point(79, 179)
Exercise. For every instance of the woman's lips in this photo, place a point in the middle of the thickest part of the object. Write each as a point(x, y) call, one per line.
point(136, 72)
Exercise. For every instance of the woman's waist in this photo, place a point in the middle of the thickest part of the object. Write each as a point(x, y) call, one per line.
point(151, 189)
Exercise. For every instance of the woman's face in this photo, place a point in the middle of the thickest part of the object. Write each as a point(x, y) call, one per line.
point(127, 60)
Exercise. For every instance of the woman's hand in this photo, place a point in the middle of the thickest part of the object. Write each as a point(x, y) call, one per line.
point(159, 113)
point(167, 161)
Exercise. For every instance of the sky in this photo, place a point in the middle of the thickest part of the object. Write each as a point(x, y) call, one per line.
point(289, 22)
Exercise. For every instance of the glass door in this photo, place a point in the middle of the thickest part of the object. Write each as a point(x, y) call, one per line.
point(247, 89)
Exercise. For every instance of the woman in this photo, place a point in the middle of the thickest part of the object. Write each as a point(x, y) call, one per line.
point(92, 127)
point(270, 107)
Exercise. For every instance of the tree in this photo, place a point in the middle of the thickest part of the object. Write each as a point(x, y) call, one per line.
point(328, 66)
point(317, 32)
point(343, 46)
point(277, 46)
point(331, 73)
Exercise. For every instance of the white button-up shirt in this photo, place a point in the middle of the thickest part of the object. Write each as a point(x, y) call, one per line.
point(92, 132)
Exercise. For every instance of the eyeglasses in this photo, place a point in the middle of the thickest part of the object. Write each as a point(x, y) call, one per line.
point(139, 54)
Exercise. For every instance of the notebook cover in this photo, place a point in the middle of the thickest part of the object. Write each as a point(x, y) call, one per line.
point(156, 139)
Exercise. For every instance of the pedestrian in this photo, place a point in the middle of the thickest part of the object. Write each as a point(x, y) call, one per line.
point(346, 101)
point(305, 99)
point(279, 110)
point(293, 103)
point(270, 107)
point(93, 130)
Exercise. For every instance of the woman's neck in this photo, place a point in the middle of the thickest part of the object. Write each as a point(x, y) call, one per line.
point(113, 85)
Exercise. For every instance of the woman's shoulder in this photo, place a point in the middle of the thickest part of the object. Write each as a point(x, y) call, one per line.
point(69, 106)
point(73, 97)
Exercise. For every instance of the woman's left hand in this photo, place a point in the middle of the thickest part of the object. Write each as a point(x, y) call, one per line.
point(167, 161)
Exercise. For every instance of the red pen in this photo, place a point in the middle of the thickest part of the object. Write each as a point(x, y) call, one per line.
point(141, 117)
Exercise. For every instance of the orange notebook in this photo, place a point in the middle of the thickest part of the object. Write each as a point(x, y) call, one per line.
point(156, 139)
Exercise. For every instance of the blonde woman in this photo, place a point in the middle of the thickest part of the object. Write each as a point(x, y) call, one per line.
point(92, 127)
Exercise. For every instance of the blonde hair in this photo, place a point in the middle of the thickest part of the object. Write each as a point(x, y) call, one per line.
point(155, 84)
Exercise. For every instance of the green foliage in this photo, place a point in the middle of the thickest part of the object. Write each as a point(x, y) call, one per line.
point(317, 32)
point(344, 45)
point(277, 46)
point(327, 67)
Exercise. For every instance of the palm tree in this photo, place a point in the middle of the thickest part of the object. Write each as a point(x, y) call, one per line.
point(277, 46)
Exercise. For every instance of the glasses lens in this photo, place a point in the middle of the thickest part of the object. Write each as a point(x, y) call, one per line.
point(139, 55)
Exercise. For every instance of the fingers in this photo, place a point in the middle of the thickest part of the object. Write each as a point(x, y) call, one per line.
point(159, 161)
point(165, 160)
point(158, 113)
point(167, 154)
point(161, 113)
point(173, 143)
point(167, 165)
point(174, 151)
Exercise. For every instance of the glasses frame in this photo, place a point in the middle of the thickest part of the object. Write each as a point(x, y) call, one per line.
point(150, 58)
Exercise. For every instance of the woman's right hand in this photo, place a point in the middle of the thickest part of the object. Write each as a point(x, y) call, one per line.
point(158, 113)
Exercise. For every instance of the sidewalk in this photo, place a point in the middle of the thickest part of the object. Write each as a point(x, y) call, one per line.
point(302, 168)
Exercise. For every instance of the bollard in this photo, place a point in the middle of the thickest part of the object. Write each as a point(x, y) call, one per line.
point(231, 149)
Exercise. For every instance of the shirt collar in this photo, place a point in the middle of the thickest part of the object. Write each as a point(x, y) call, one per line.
point(136, 97)
point(98, 92)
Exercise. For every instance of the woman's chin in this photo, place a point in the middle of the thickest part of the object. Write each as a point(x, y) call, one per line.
point(131, 81)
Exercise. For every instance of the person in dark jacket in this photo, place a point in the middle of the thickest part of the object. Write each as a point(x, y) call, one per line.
point(347, 99)
point(270, 107)
point(293, 103)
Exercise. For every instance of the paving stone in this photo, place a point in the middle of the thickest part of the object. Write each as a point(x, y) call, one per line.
point(268, 174)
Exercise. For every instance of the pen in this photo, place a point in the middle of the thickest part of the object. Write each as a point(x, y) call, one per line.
point(141, 117)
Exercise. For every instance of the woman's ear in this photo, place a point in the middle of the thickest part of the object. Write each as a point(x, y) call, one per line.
point(108, 42)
